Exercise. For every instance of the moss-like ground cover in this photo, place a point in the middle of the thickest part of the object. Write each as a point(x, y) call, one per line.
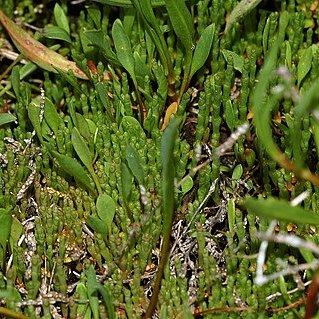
point(146, 147)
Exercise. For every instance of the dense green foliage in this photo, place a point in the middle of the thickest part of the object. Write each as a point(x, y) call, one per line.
point(106, 175)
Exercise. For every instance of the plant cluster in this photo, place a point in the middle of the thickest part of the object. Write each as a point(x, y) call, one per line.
point(123, 168)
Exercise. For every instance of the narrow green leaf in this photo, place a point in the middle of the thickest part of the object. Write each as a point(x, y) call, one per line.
point(237, 172)
point(142, 69)
point(5, 226)
point(304, 106)
point(92, 126)
point(127, 182)
point(93, 297)
point(266, 35)
point(51, 116)
point(182, 22)
point(82, 310)
point(82, 149)
point(27, 69)
point(106, 207)
point(132, 126)
point(153, 33)
point(241, 9)
point(134, 163)
point(281, 210)
point(85, 155)
point(15, 81)
point(304, 64)
point(72, 167)
point(202, 49)
point(237, 60)
point(106, 295)
point(168, 173)
point(16, 231)
point(187, 184)
point(262, 106)
point(231, 215)
point(70, 77)
point(61, 18)
point(95, 15)
point(102, 94)
point(288, 55)
point(128, 3)
point(99, 39)
point(34, 113)
point(54, 32)
point(83, 128)
point(6, 118)
point(97, 225)
point(230, 116)
point(123, 47)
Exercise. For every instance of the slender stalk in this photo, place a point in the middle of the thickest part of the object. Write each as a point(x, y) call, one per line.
point(158, 280)
point(12, 314)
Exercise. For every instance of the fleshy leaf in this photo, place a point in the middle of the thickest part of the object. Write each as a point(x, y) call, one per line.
point(72, 167)
point(82, 149)
point(187, 184)
point(51, 116)
point(134, 163)
point(202, 49)
point(123, 47)
point(106, 209)
point(15, 81)
point(34, 113)
point(54, 32)
point(304, 64)
point(238, 61)
point(61, 18)
point(127, 182)
point(97, 225)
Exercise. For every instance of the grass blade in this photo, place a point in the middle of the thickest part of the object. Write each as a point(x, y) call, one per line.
point(123, 47)
point(202, 49)
point(182, 22)
point(282, 210)
point(168, 175)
